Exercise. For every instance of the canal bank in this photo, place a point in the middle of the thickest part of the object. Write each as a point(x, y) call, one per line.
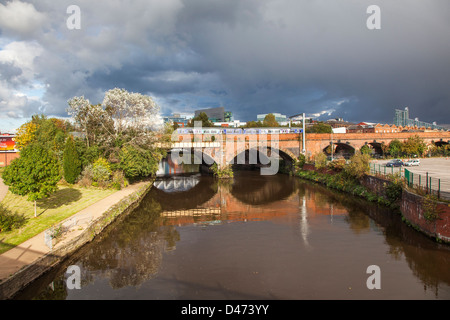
point(25, 263)
point(425, 214)
point(260, 237)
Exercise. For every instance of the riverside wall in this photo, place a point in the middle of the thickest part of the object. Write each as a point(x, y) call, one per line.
point(15, 283)
point(413, 211)
point(411, 207)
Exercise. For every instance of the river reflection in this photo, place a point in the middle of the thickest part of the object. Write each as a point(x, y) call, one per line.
point(258, 237)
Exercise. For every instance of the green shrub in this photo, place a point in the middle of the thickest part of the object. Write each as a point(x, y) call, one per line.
point(358, 165)
point(136, 162)
point(430, 207)
point(320, 160)
point(118, 180)
point(226, 172)
point(101, 171)
point(337, 165)
point(393, 190)
point(10, 221)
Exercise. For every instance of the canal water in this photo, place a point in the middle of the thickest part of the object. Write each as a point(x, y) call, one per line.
point(258, 237)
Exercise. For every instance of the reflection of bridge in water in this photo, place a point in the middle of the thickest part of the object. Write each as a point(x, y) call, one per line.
point(177, 184)
point(247, 198)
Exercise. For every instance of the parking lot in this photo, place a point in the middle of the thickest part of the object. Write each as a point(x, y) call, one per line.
point(437, 168)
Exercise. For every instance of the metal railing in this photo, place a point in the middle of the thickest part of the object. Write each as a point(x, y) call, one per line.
point(382, 170)
point(423, 182)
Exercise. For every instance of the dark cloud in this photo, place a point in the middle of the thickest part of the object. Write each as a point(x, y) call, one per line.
point(250, 56)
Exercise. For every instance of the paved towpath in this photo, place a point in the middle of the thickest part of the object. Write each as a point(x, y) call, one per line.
point(31, 250)
point(3, 190)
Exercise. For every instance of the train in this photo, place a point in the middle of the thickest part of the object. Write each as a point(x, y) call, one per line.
point(238, 130)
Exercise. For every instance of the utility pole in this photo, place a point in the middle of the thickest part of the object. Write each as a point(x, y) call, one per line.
point(304, 136)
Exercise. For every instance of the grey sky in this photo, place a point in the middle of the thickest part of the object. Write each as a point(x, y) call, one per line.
point(250, 56)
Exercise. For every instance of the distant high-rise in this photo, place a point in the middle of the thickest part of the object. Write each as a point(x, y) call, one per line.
point(278, 117)
point(216, 114)
point(401, 118)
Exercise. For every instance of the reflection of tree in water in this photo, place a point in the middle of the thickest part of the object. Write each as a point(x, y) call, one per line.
point(431, 268)
point(428, 260)
point(131, 251)
point(56, 290)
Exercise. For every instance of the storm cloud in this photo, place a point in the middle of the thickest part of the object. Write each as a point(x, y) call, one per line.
point(250, 56)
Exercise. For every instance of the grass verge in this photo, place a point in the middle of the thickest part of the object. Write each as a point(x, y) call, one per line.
point(65, 202)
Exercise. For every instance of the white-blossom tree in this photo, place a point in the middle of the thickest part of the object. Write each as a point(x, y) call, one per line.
point(92, 119)
point(123, 117)
point(131, 110)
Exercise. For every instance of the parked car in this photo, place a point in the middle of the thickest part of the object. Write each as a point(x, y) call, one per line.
point(395, 163)
point(413, 162)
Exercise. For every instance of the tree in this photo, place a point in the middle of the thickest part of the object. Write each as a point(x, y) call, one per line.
point(137, 162)
point(270, 121)
point(414, 146)
point(320, 160)
point(26, 134)
point(35, 174)
point(91, 119)
point(365, 149)
point(358, 165)
point(71, 161)
point(319, 127)
point(50, 133)
point(203, 118)
point(131, 111)
point(395, 148)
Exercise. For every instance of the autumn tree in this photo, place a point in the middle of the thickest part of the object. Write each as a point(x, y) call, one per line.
point(26, 134)
point(414, 146)
point(35, 174)
point(358, 165)
point(270, 121)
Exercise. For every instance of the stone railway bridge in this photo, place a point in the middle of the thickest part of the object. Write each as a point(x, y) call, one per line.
point(234, 148)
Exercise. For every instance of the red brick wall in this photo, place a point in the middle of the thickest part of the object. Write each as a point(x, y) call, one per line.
point(6, 158)
point(412, 210)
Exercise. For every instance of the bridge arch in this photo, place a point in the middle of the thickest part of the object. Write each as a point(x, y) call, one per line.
point(345, 150)
point(257, 156)
point(185, 160)
point(441, 143)
point(377, 148)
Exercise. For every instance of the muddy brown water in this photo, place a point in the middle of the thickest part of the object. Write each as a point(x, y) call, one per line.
point(258, 237)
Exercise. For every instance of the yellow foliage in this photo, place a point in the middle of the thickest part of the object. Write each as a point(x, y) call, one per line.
point(25, 134)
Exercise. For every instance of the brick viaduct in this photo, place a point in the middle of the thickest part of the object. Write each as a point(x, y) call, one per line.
point(223, 148)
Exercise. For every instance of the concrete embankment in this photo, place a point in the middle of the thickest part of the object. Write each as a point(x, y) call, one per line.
point(23, 264)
